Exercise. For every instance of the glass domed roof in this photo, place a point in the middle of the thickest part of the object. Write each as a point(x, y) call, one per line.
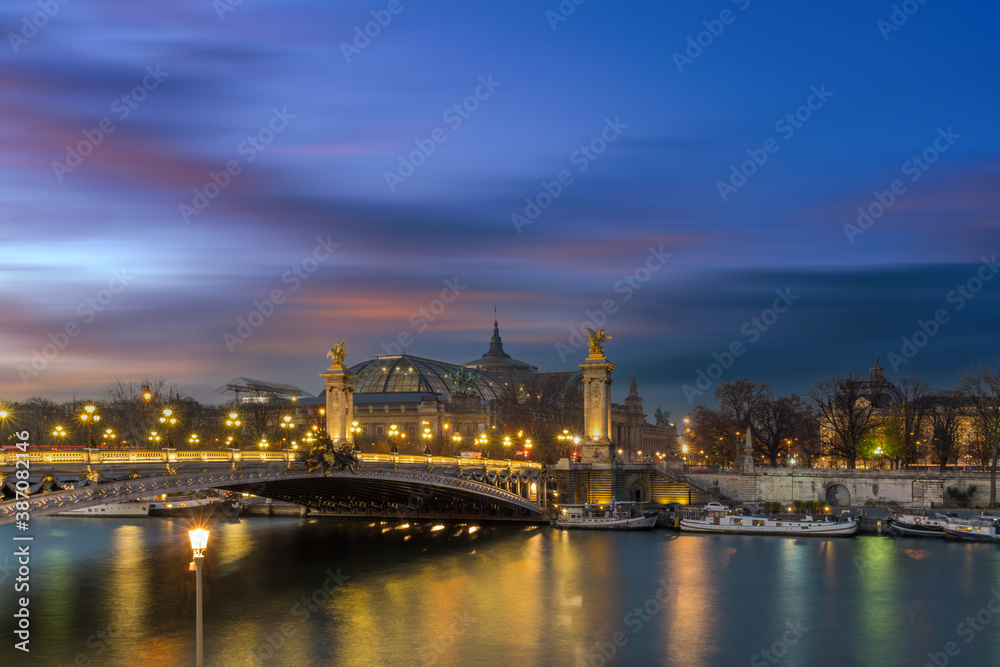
point(403, 374)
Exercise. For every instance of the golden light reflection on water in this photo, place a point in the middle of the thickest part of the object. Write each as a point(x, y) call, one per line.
point(694, 564)
point(128, 591)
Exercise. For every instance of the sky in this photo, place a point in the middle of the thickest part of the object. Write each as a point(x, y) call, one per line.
point(202, 190)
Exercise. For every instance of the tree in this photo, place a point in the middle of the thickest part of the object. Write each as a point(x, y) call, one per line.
point(776, 423)
point(945, 418)
point(710, 433)
point(131, 413)
point(737, 401)
point(981, 385)
point(907, 416)
point(541, 410)
point(849, 406)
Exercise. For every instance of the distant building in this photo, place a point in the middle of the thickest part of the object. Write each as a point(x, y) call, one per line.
point(416, 393)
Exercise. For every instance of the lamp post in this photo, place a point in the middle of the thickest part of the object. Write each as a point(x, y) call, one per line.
point(199, 541)
point(168, 420)
point(457, 439)
point(527, 449)
point(3, 422)
point(59, 433)
point(393, 432)
point(286, 425)
point(234, 423)
point(506, 447)
point(355, 432)
point(90, 417)
point(427, 441)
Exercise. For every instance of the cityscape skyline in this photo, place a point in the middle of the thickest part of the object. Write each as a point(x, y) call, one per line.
point(230, 194)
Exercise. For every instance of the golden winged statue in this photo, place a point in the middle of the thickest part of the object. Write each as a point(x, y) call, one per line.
point(597, 341)
point(338, 353)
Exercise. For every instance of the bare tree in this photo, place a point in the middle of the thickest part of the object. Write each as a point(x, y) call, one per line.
point(737, 400)
point(712, 434)
point(945, 442)
point(981, 385)
point(777, 423)
point(850, 406)
point(907, 415)
point(131, 413)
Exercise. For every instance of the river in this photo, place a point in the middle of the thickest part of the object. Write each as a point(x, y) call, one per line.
point(322, 591)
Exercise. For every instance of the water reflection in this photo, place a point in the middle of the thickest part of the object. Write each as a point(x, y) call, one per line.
point(320, 592)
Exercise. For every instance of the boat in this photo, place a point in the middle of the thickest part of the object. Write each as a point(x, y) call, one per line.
point(129, 509)
point(181, 505)
point(613, 516)
point(984, 528)
point(715, 518)
point(918, 522)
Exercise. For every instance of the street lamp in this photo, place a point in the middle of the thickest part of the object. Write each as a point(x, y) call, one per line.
point(199, 542)
point(355, 432)
point(234, 423)
point(60, 432)
point(393, 432)
point(427, 441)
point(169, 421)
point(3, 422)
point(457, 439)
point(89, 417)
point(506, 447)
point(527, 449)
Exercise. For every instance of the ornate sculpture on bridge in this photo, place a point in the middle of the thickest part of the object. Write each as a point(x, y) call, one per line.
point(597, 341)
point(338, 353)
point(465, 382)
point(326, 455)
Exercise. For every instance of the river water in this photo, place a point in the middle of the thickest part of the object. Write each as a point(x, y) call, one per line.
point(319, 591)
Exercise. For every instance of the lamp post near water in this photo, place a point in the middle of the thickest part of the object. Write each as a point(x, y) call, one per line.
point(199, 541)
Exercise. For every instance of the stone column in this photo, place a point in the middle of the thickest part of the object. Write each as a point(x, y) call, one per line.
point(339, 385)
point(595, 445)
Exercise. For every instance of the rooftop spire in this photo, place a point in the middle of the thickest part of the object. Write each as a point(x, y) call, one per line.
point(496, 345)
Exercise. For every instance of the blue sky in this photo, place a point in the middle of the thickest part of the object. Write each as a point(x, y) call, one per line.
point(235, 156)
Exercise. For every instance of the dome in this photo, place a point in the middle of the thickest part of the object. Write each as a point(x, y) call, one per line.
point(499, 364)
point(403, 374)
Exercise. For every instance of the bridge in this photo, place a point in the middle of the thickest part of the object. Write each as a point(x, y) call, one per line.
point(383, 485)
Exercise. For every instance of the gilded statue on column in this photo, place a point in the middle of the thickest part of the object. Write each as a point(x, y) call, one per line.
point(597, 341)
point(338, 353)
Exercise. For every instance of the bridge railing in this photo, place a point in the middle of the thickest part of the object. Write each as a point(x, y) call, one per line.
point(126, 457)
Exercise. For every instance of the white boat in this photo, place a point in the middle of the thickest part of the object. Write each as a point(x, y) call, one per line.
point(715, 518)
point(983, 528)
point(613, 516)
point(918, 522)
point(120, 510)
